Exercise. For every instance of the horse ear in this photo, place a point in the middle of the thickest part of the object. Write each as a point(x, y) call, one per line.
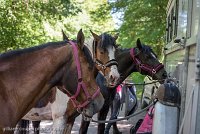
point(80, 39)
point(116, 36)
point(64, 36)
point(96, 37)
point(139, 45)
point(117, 45)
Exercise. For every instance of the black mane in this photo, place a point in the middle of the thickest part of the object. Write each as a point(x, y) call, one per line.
point(107, 40)
point(15, 53)
point(147, 49)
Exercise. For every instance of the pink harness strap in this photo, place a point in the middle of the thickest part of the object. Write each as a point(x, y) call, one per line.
point(78, 66)
point(146, 126)
point(119, 88)
point(81, 84)
point(145, 67)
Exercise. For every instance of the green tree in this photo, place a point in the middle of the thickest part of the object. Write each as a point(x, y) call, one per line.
point(23, 22)
point(92, 17)
point(28, 23)
point(144, 19)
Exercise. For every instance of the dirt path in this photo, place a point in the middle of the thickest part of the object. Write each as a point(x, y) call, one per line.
point(124, 126)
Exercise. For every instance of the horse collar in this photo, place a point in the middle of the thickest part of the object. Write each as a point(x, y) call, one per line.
point(151, 70)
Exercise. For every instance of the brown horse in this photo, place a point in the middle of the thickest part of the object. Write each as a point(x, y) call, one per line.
point(103, 49)
point(48, 108)
point(26, 75)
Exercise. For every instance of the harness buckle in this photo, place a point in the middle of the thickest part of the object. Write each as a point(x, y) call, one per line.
point(89, 99)
point(103, 67)
point(153, 71)
point(80, 80)
point(141, 65)
point(78, 109)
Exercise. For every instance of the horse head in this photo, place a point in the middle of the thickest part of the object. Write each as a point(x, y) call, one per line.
point(104, 47)
point(147, 62)
point(82, 89)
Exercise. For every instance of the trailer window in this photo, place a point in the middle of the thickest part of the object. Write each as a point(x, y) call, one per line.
point(172, 23)
point(194, 17)
point(175, 18)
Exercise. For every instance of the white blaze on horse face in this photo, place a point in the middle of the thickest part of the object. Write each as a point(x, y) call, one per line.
point(114, 74)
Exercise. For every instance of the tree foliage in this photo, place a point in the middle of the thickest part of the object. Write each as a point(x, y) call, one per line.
point(92, 17)
point(22, 23)
point(26, 23)
point(144, 19)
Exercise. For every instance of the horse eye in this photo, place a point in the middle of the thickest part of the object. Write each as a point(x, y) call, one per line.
point(147, 56)
point(102, 52)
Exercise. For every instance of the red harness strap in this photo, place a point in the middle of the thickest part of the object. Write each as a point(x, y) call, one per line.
point(81, 84)
point(151, 70)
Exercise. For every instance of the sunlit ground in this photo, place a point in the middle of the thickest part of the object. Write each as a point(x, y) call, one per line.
point(124, 126)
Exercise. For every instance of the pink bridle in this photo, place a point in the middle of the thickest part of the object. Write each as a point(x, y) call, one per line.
point(151, 70)
point(81, 84)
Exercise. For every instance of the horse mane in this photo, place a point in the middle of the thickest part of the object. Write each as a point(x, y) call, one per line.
point(15, 53)
point(148, 49)
point(88, 56)
point(107, 40)
point(119, 49)
point(145, 48)
point(19, 52)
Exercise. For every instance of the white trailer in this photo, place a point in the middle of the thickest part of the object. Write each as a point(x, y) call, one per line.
point(182, 59)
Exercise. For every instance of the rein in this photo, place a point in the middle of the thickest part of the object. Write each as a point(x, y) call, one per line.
point(134, 114)
point(81, 84)
point(151, 70)
point(99, 63)
point(127, 117)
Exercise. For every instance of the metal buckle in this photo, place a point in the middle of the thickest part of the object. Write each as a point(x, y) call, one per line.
point(89, 99)
point(153, 71)
point(141, 65)
point(103, 67)
point(78, 110)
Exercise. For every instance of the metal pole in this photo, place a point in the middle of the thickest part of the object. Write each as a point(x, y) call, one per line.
point(197, 85)
point(184, 83)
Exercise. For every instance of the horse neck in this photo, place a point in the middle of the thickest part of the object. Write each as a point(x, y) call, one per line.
point(29, 76)
point(126, 66)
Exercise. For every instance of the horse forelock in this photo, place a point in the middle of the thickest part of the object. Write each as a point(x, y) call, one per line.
point(107, 41)
point(148, 49)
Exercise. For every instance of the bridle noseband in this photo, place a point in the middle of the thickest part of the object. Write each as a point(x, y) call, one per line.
point(150, 69)
point(99, 63)
point(81, 84)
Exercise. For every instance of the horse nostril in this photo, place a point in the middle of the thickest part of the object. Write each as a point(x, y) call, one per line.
point(112, 78)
